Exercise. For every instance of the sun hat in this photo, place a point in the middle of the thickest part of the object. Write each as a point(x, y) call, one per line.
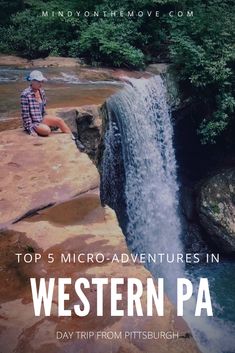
point(36, 75)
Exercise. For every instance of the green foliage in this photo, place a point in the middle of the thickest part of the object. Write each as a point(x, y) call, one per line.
point(211, 128)
point(25, 36)
point(8, 8)
point(201, 47)
point(33, 36)
point(103, 41)
point(203, 52)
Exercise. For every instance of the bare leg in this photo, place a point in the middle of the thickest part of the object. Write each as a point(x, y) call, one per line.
point(43, 130)
point(57, 122)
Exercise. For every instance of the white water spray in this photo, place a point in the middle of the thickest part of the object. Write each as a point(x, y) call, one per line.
point(140, 121)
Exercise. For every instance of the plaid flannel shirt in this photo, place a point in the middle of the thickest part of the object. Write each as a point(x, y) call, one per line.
point(31, 113)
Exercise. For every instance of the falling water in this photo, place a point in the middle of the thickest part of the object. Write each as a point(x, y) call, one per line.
point(140, 122)
point(138, 175)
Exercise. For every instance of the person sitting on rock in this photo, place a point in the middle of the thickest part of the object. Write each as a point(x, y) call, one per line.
point(33, 101)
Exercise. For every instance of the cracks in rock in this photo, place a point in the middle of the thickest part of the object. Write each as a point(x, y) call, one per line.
point(33, 212)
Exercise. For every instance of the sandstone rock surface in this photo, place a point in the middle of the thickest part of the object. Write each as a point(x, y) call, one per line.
point(50, 61)
point(80, 225)
point(86, 72)
point(55, 61)
point(36, 172)
point(216, 209)
point(13, 60)
point(10, 123)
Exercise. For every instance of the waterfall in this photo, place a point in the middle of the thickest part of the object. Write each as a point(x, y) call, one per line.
point(138, 180)
point(139, 121)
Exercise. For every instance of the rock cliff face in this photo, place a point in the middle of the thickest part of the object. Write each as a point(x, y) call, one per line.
point(49, 203)
point(86, 122)
point(216, 209)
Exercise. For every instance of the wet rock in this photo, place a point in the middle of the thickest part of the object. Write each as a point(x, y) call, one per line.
point(216, 209)
point(158, 69)
point(187, 201)
point(193, 240)
point(193, 234)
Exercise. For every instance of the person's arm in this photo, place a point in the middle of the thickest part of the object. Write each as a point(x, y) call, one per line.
point(27, 121)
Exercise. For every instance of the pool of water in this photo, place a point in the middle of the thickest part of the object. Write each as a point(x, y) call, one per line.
point(222, 286)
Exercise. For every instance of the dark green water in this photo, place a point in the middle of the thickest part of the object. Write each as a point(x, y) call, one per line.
point(221, 278)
